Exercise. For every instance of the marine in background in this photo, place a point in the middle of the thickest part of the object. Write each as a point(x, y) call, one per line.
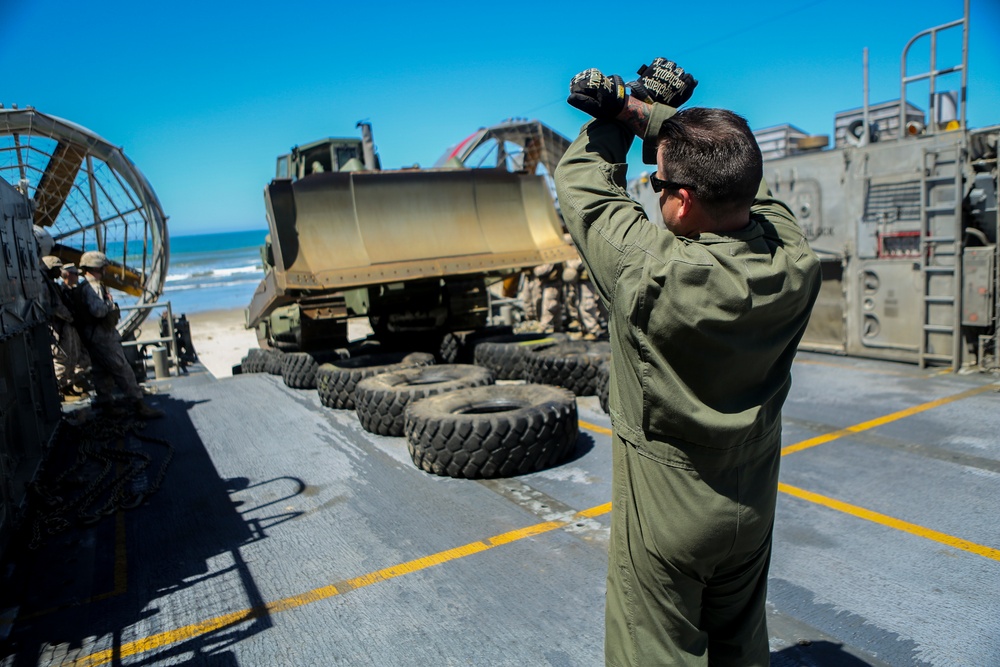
point(550, 309)
point(98, 316)
point(67, 348)
point(70, 282)
point(583, 311)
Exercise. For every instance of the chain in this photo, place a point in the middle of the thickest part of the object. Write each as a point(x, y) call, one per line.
point(96, 447)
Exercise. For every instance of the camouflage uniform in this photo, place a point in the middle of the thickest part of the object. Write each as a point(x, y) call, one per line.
point(110, 367)
point(581, 300)
point(67, 351)
point(529, 294)
point(80, 357)
point(550, 311)
point(66, 345)
point(703, 333)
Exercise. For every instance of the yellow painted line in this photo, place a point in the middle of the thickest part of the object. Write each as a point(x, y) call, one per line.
point(121, 561)
point(854, 510)
point(881, 421)
point(898, 524)
point(292, 602)
point(204, 627)
point(595, 428)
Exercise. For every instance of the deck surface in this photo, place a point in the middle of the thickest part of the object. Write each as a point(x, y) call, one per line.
point(285, 534)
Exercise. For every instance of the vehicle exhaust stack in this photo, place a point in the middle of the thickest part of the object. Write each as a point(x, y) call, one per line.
point(368, 146)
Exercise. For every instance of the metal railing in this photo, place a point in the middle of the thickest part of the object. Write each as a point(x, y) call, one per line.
point(170, 338)
point(932, 73)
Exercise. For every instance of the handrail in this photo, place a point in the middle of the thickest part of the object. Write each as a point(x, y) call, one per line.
point(932, 74)
point(174, 352)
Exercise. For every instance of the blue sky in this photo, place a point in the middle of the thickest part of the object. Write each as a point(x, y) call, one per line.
point(203, 96)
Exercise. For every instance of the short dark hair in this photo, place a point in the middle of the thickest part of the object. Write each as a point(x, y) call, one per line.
point(714, 150)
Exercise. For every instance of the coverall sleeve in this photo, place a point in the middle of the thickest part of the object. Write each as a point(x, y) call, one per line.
point(590, 183)
point(777, 219)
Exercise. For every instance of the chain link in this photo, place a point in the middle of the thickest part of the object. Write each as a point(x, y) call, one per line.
point(55, 514)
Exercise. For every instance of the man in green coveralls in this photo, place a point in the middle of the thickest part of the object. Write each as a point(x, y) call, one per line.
point(705, 317)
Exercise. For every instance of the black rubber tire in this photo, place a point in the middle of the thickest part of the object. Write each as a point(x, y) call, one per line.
point(450, 349)
point(337, 380)
point(283, 346)
point(505, 355)
point(572, 365)
point(492, 431)
point(254, 361)
point(381, 400)
point(273, 361)
point(298, 370)
point(603, 381)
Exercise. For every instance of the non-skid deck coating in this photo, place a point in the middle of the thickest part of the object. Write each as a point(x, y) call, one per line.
point(284, 534)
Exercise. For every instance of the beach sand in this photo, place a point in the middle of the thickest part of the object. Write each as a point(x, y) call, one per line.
point(220, 339)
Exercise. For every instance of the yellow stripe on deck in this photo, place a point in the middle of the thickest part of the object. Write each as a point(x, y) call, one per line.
point(881, 421)
point(338, 588)
point(285, 604)
point(898, 524)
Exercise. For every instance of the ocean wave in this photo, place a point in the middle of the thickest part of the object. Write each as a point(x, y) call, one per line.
point(230, 283)
point(215, 273)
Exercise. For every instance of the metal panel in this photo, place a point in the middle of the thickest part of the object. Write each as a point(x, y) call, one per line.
point(29, 402)
point(890, 308)
point(977, 286)
point(826, 330)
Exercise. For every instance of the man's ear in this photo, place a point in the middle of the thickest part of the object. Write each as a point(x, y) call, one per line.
point(686, 207)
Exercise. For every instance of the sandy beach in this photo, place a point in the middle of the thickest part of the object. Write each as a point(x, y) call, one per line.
point(220, 339)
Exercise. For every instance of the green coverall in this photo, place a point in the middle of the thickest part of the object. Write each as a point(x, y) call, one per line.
point(703, 333)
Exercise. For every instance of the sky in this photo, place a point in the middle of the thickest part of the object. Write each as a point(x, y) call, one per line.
point(203, 96)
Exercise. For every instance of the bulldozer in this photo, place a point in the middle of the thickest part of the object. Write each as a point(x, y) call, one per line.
point(421, 253)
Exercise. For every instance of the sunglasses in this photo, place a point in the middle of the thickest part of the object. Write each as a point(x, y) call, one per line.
point(660, 184)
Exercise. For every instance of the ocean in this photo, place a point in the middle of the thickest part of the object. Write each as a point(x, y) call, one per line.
point(213, 271)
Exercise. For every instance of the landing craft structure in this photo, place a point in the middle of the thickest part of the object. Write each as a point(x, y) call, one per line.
point(63, 191)
point(902, 211)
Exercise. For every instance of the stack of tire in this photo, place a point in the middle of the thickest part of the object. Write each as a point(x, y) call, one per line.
point(274, 363)
point(492, 431)
point(381, 400)
point(456, 421)
point(299, 370)
point(260, 360)
point(573, 365)
point(337, 380)
point(603, 381)
point(506, 355)
point(253, 362)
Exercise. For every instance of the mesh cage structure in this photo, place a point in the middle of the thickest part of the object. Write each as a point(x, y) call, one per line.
point(88, 195)
point(513, 145)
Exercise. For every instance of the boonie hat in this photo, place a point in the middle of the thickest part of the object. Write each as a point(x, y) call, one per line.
point(52, 262)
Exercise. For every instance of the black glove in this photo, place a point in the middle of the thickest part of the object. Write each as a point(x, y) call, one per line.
point(600, 96)
point(664, 82)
